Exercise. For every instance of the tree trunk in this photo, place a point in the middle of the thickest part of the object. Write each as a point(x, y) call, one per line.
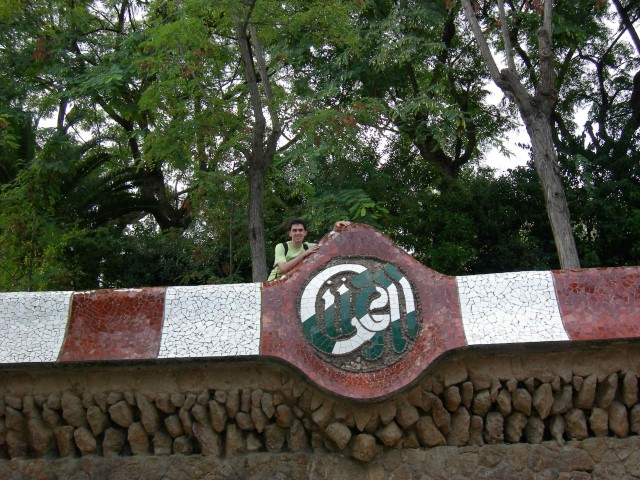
point(263, 145)
point(548, 171)
point(257, 169)
point(536, 113)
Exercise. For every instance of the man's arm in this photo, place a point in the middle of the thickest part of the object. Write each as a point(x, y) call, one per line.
point(285, 266)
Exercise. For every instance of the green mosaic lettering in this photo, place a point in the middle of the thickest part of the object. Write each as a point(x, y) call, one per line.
point(314, 334)
point(399, 343)
point(337, 319)
point(412, 324)
point(345, 314)
point(376, 348)
point(330, 323)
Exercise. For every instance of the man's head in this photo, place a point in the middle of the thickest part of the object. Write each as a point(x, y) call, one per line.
point(297, 230)
point(299, 222)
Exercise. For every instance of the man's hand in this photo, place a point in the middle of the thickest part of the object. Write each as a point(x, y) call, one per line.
point(341, 224)
point(310, 250)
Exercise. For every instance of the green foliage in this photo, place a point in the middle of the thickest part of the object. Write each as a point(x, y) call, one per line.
point(24, 236)
point(353, 204)
point(125, 127)
point(17, 143)
point(476, 223)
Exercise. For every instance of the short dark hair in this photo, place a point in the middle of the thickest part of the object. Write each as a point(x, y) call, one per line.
point(296, 221)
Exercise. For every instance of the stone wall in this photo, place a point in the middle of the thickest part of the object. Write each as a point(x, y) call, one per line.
point(592, 459)
point(469, 406)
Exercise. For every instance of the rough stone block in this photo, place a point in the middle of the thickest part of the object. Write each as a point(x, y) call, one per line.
point(149, 415)
point(339, 434)
point(113, 441)
point(274, 437)
point(162, 444)
point(629, 389)
point(557, 428)
point(406, 414)
point(452, 398)
point(121, 413)
point(428, 433)
point(138, 439)
point(73, 411)
point(599, 422)
point(234, 441)
point(543, 400)
point(514, 428)
point(173, 425)
point(606, 391)
point(98, 420)
point(218, 415)
point(618, 420)
point(460, 424)
point(587, 393)
point(244, 421)
point(209, 441)
point(563, 401)
point(64, 440)
point(576, 424)
point(534, 431)
point(284, 416)
point(522, 401)
point(504, 402)
point(85, 441)
point(389, 434)
point(364, 447)
point(296, 437)
point(494, 428)
point(481, 403)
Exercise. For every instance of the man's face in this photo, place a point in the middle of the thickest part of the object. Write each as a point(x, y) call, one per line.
point(297, 232)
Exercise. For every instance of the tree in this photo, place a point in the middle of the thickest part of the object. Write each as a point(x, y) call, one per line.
point(600, 158)
point(181, 134)
point(456, 225)
point(78, 63)
point(406, 69)
point(536, 111)
point(248, 104)
point(264, 142)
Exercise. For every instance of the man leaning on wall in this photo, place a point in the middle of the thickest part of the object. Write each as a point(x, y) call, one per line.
point(291, 253)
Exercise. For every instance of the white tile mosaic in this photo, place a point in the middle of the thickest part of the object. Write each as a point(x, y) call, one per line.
point(211, 321)
point(32, 325)
point(308, 300)
point(510, 308)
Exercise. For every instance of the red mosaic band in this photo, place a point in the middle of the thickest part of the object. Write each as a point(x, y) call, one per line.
point(114, 325)
point(599, 303)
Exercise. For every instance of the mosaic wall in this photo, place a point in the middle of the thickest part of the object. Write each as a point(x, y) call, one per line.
point(360, 318)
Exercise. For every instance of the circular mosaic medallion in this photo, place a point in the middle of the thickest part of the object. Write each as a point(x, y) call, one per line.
point(360, 314)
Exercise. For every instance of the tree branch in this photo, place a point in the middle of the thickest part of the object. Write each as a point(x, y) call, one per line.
point(564, 68)
point(628, 24)
point(504, 27)
point(246, 55)
point(272, 141)
point(482, 42)
point(547, 75)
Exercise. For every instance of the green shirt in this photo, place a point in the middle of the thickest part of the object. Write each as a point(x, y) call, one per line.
point(281, 257)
